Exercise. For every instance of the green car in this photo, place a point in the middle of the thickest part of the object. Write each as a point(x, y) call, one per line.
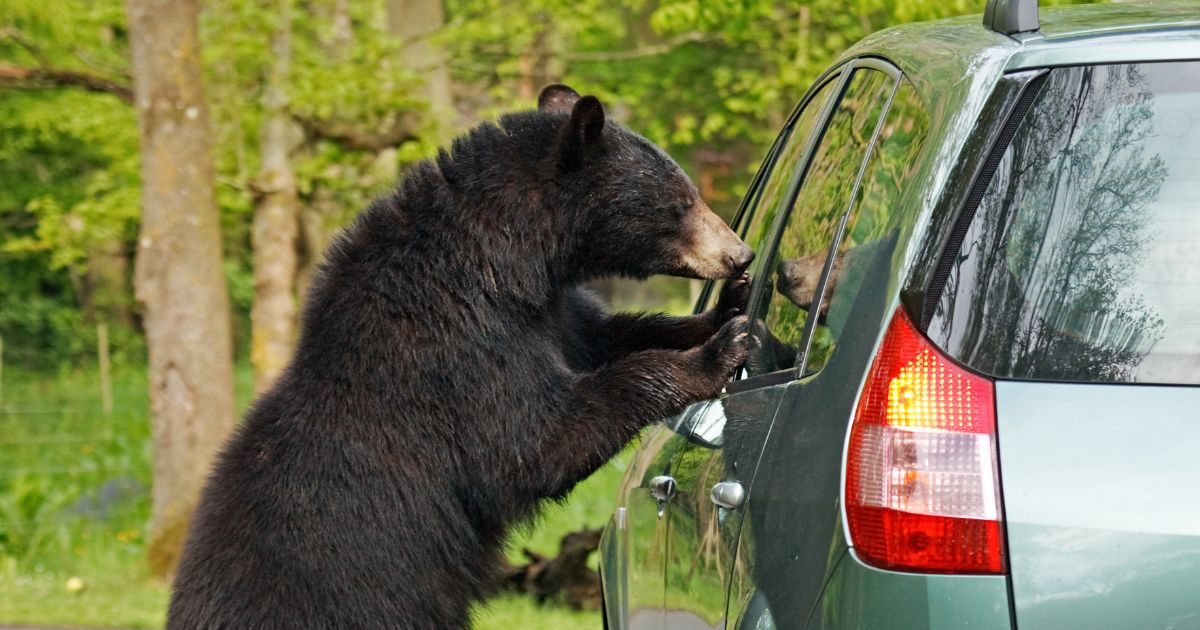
point(973, 401)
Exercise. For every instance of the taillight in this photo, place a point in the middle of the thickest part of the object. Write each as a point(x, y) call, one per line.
point(921, 484)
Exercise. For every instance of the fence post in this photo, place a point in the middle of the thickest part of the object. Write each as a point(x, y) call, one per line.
point(105, 377)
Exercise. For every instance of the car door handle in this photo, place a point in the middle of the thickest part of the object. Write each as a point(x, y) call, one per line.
point(728, 494)
point(662, 488)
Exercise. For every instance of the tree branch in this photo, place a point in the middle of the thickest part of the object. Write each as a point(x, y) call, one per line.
point(46, 76)
point(404, 129)
point(53, 78)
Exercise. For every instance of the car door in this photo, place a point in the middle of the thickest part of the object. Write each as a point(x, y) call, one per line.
point(790, 540)
point(715, 470)
point(632, 549)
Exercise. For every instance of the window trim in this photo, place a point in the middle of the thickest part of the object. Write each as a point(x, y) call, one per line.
point(966, 215)
point(838, 77)
point(748, 205)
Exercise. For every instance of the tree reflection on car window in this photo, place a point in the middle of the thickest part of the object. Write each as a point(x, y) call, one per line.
point(1080, 264)
point(888, 167)
point(817, 210)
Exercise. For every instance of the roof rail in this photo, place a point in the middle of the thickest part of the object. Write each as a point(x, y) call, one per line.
point(1009, 17)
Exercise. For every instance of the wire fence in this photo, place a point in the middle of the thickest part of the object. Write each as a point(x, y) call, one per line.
point(75, 464)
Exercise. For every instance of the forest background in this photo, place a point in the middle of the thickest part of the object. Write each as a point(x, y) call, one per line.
point(171, 171)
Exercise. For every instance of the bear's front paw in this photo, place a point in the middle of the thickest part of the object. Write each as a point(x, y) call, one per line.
point(735, 295)
point(720, 356)
point(732, 301)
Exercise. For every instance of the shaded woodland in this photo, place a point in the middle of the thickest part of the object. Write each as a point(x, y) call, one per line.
point(170, 173)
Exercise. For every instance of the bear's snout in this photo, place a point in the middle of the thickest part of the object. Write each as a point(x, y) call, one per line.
point(798, 279)
point(741, 259)
point(712, 250)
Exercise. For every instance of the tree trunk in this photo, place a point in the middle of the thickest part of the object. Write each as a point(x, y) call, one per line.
point(342, 30)
point(178, 275)
point(534, 63)
point(105, 294)
point(415, 22)
point(276, 223)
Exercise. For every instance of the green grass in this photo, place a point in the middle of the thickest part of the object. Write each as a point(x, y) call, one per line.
point(57, 449)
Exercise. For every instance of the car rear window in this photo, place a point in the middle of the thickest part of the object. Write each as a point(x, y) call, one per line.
point(1082, 262)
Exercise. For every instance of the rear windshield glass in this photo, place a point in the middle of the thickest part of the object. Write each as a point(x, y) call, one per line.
point(1083, 259)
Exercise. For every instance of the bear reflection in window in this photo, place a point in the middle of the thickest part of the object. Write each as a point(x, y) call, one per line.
point(797, 280)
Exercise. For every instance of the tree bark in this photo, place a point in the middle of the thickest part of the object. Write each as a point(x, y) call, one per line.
point(178, 272)
point(343, 31)
point(105, 295)
point(415, 22)
point(535, 62)
point(276, 221)
point(55, 78)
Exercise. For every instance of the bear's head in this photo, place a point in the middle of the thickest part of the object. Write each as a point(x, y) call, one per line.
point(637, 213)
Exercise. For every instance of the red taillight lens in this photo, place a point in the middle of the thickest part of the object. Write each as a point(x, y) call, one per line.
point(921, 489)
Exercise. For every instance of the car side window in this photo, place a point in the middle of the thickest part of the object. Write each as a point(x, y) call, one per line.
point(865, 237)
point(772, 194)
point(791, 273)
point(767, 196)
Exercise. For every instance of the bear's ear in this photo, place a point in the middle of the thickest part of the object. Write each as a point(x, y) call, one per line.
point(557, 98)
point(583, 129)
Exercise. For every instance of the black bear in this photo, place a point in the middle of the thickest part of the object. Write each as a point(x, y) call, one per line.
point(451, 374)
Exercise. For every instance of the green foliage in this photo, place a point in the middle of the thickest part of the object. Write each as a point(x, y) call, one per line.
point(359, 82)
point(68, 188)
point(57, 449)
point(76, 34)
point(711, 81)
point(75, 176)
point(68, 179)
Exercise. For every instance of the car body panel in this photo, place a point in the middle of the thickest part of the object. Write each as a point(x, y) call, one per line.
point(944, 56)
point(791, 539)
point(791, 510)
point(1074, 22)
point(1099, 486)
point(969, 80)
point(703, 552)
point(638, 535)
point(1157, 46)
point(865, 598)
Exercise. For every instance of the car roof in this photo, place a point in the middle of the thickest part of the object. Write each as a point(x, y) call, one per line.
point(1096, 19)
point(939, 55)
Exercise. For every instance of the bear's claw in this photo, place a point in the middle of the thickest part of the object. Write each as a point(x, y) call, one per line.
point(727, 349)
point(732, 302)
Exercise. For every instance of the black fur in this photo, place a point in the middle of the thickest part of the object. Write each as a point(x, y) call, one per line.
point(450, 375)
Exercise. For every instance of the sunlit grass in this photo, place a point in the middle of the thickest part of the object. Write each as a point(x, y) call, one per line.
point(63, 462)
